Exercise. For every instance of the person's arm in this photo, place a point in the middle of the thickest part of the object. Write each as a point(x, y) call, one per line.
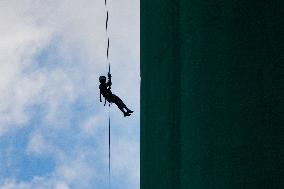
point(109, 80)
point(100, 93)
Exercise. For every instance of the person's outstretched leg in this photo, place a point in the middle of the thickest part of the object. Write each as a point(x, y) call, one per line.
point(124, 112)
point(128, 110)
point(124, 106)
point(121, 105)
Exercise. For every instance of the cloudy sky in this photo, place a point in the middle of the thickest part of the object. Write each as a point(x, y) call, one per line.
point(53, 130)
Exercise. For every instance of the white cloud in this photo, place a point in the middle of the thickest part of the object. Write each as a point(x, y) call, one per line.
point(91, 125)
point(13, 185)
point(36, 183)
point(37, 144)
point(128, 161)
point(77, 29)
point(61, 185)
point(20, 39)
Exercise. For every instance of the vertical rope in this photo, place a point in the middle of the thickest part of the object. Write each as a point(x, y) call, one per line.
point(108, 41)
point(109, 149)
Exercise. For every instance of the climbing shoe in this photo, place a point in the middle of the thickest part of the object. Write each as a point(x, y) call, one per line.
point(126, 114)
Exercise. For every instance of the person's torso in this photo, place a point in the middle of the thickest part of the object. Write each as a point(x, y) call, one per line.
point(105, 91)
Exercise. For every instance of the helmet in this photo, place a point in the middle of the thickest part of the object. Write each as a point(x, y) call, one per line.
point(102, 79)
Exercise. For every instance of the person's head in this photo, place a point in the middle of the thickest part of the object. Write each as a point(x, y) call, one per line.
point(102, 79)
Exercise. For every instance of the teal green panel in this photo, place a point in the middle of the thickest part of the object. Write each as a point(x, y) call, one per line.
point(212, 85)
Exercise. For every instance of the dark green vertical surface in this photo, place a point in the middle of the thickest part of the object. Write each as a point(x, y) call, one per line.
point(162, 148)
point(212, 94)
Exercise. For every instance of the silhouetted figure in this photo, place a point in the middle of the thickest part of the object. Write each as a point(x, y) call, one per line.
point(105, 87)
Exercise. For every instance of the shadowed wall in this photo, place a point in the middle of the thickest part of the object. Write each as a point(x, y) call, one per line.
point(212, 94)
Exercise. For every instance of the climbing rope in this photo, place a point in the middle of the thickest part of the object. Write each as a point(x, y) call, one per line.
point(109, 149)
point(107, 35)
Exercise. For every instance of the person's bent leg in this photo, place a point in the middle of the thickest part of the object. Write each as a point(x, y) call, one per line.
point(119, 101)
point(125, 107)
point(124, 112)
point(120, 105)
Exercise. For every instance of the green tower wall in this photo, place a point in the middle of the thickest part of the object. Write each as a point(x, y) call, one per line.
point(212, 85)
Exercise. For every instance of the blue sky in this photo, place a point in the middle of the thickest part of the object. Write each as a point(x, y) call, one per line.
point(53, 130)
